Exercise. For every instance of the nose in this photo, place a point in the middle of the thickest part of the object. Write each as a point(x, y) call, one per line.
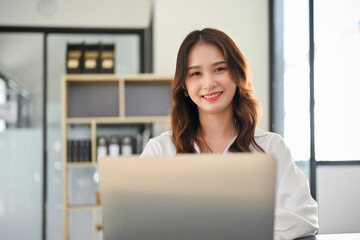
point(209, 81)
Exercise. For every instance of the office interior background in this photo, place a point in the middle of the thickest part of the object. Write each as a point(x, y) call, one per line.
point(304, 57)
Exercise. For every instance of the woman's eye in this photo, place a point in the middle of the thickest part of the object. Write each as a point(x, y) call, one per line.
point(219, 69)
point(195, 74)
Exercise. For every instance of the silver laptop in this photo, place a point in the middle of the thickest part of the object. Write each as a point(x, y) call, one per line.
point(190, 196)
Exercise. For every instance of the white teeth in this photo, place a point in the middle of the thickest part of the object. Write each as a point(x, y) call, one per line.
point(212, 95)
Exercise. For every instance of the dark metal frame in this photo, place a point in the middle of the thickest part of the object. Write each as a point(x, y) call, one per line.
point(276, 66)
point(312, 101)
point(276, 83)
point(146, 65)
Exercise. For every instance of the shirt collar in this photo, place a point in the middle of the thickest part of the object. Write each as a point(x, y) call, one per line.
point(226, 150)
point(258, 133)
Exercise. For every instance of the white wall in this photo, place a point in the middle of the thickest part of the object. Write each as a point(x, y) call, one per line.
point(245, 21)
point(76, 13)
point(338, 195)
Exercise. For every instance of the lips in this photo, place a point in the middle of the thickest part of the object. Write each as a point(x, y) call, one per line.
point(212, 96)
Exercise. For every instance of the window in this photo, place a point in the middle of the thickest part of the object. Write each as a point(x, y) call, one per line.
point(315, 80)
point(296, 79)
point(337, 79)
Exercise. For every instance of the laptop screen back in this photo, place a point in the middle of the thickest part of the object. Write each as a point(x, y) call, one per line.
point(191, 196)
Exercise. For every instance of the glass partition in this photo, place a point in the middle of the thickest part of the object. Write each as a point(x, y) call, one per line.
point(127, 61)
point(21, 135)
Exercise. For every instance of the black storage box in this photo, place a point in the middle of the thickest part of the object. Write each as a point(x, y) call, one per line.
point(107, 58)
point(74, 58)
point(92, 58)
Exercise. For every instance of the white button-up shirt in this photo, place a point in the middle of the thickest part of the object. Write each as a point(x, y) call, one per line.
point(296, 212)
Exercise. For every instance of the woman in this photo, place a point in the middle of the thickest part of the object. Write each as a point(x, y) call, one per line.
point(215, 112)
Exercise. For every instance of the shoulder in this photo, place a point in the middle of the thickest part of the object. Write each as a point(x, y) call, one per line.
point(269, 141)
point(160, 145)
point(163, 137)
point(273, 143)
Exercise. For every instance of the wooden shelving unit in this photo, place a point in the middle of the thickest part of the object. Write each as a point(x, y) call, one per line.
point(153, 87)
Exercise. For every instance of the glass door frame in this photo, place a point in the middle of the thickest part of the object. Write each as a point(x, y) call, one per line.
point(146, 66)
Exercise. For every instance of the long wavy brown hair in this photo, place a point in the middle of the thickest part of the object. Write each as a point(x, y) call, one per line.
point(184, 114)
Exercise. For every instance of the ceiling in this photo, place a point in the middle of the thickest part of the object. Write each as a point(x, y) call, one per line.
point(76, 13)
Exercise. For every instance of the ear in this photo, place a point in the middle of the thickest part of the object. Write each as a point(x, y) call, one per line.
point(184, 86)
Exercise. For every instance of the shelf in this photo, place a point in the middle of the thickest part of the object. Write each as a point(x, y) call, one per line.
point(118, 120)
point(114, 78)
point(84, 208)
point(91, 77)
point(81, 164)
point(105, 106)
point(146, 77)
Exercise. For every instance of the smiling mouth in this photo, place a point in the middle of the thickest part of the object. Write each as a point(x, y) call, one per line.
point(213, 95)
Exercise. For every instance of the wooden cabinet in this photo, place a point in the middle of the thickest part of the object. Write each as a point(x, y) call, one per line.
point(98, 106)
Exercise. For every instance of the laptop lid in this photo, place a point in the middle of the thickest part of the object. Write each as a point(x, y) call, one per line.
point(190, 196)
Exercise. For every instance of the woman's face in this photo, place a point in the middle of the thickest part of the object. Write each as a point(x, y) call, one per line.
point(208, 80)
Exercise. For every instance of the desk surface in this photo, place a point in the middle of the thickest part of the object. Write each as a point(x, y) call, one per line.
point(344, 236)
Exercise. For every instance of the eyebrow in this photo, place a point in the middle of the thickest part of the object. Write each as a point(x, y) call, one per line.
point(214, 64)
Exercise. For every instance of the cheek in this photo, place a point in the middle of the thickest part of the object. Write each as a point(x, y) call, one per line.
point(233, 90)
point(193, 90)
point(190, 85)
point(234, 87)
point(186, 83)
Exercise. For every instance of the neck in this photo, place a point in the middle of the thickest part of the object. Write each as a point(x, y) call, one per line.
point(217, 125)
